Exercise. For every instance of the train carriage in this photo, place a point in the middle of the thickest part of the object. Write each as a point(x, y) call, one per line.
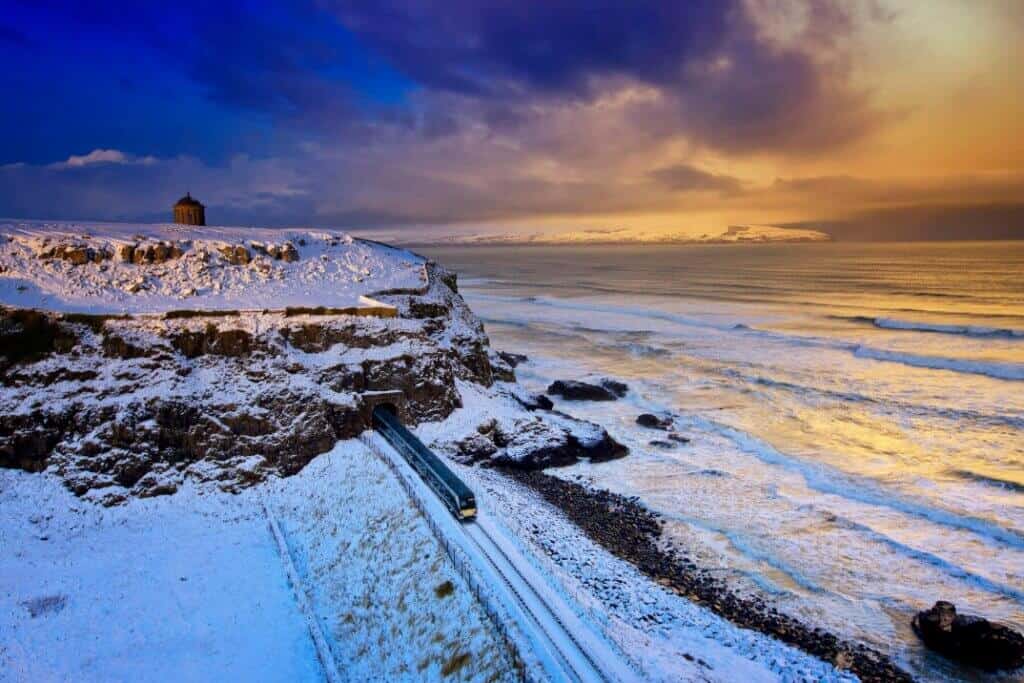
point(455, 494)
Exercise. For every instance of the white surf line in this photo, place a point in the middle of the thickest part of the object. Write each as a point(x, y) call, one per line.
point(565, 646)
point(323, 648)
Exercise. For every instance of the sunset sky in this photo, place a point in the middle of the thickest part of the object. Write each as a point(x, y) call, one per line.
point(555, 113)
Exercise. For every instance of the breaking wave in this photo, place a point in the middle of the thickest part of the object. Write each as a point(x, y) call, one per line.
point(966, 330)
point(1007, 371)
point(815, 393)
point(997, 482)
point(982, 331)
point(825, 480)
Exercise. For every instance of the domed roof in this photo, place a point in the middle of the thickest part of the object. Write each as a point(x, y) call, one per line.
point(187, 200)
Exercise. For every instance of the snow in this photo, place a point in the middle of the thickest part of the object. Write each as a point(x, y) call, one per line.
point(333, 269)
point(191, 586)
point(667, 637)
point(180, 588)
point(378, 576)
point(495, 235)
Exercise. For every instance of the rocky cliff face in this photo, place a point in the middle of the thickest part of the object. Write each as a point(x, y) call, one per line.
point(122, 406)
point(237, 358)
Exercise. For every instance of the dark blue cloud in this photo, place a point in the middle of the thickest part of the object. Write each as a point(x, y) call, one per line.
point(732, 88)
point(507, 47)
point(356, 97)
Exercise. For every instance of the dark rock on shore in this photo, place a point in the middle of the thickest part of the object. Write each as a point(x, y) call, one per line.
point(531, 401)
point(552, 440)
point(660, 443)
point(631, 532)
point(969, 639)
point(653, 421)
point(475, 447)
point(678, 438)
point(618, 388)
point(572, 390)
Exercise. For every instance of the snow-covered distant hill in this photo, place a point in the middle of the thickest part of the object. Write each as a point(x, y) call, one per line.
point(496, 235)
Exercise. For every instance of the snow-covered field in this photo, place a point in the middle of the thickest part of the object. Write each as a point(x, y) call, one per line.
point(188, 587)
point(137, 268)
point(191, 587)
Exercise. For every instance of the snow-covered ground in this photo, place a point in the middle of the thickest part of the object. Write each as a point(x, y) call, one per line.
point(191, 586)
point(667, 637)
point(485, 235)
point(138, 268)
point(182, 588)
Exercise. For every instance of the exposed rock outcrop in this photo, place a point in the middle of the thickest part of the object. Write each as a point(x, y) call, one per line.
point(27, 335)
point(550, 440)
point(572, 390)
point(618, 388)
point(75, 254)
point(122, 407)
point(969, 639)
point(652, 421)
point(530, 401)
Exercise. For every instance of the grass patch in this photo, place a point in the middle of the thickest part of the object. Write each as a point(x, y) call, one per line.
point(178, 315)
point(94, 321)
point(455, 663)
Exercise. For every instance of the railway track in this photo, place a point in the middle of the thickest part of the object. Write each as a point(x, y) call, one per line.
point(576, 662)
point(566, 647)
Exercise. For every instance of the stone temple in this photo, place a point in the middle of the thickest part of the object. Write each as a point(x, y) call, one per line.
point(189, 211)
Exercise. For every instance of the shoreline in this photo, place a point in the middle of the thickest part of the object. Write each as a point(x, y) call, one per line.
point(631, 533)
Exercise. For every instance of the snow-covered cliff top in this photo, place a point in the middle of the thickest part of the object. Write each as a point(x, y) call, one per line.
point(133, 268)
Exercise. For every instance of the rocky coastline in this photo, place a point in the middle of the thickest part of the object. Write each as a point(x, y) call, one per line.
point(633, 533)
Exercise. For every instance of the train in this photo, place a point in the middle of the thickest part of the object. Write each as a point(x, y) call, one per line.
point(456, 496)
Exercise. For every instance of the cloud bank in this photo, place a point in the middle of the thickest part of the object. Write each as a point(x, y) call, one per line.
point(390, 113)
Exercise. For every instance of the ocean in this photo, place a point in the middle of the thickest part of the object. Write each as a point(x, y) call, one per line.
point(856, 411)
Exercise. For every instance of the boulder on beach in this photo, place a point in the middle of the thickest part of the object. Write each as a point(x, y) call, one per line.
point(528, 399)
point(573, 390)
point(615, 386)
point(969, 639)
point(652, 421)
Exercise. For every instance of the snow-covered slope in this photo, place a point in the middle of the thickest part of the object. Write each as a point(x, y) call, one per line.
point(497, 235)
point(131, 268)
point(191, 587)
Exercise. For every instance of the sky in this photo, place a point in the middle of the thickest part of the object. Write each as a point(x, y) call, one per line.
point(565, 113)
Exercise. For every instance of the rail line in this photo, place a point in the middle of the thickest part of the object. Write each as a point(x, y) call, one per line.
point(583, 671)
point(565, 646)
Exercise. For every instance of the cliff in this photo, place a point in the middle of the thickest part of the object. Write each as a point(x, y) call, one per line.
point(155, 354)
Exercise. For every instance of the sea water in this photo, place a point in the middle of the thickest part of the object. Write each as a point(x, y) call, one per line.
point(856, 411)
